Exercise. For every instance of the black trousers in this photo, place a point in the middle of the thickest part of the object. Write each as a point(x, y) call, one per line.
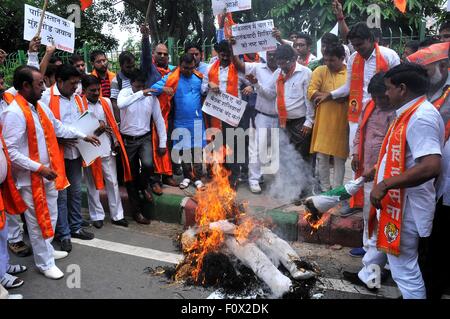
point(140, 155)
point(193, 169)
point(433, 254)
point(302, 144)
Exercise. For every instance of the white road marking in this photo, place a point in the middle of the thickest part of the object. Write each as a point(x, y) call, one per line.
point(131, 250)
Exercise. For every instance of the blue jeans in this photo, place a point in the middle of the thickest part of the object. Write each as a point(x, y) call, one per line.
point(4, 256)
point(69, 201)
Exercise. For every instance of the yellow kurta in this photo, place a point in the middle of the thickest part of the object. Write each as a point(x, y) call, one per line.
point(330, 132)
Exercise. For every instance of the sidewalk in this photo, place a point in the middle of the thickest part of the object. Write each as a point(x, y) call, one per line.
point(286, 217)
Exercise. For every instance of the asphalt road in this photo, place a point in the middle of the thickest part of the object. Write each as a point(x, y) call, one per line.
point(114, 266)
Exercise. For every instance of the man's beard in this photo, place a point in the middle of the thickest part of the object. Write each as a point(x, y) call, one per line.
point(437, 77)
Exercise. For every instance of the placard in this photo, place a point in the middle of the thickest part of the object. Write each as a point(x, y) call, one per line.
point(55, 30)
point(219, 6)
point(253, 37)
point(225, 107)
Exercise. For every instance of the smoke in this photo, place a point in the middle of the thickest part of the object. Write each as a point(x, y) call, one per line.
point(294, 174)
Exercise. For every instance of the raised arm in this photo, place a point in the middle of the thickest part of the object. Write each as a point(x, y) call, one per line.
point(49, 50)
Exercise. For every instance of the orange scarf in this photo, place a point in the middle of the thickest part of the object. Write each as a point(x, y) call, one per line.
point(109, 74)
point(306, 61)
point(8, 97)
point(232, 85)
point(357, 83)
point(281, 103)
point(438, 104)
point(55, 107)
point(96, 166)
point(56, 163)
point(163, 164)
point(358, 199)
point(390, 223)
point(10, 199)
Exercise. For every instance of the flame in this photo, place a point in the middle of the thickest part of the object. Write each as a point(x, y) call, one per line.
point(314, 221)
point(216, 202)
point(243, 230)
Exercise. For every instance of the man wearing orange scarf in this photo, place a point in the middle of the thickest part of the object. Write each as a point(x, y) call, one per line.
point(66, 107)
point(435, 59)
point(104, 168)
point(403, 196)
point(369, 59)
point(30, 131)
point(100, 63)
point(223, 76)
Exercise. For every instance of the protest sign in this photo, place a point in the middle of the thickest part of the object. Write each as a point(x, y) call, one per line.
point(219, 6)
point(55, 30)
point(87, 124)
point(224, 107)
point(253, 37)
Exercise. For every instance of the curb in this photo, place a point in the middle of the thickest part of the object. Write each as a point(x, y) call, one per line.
point(289, 225)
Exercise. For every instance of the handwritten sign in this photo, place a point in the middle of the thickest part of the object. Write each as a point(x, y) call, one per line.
point(219, 6)
point(224, 107)
point(55, 30)
point(253, 37)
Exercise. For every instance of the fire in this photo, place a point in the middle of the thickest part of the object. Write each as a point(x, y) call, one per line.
point(243, 230)
point(216, 202)
point(315, 221)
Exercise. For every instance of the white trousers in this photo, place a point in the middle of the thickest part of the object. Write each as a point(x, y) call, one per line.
point(323, 169)
point(259, 145)
point(42, 248)
point(351, 136)
point(15, 232)
point(96, 210)
point(404, 268)
point(366, 210)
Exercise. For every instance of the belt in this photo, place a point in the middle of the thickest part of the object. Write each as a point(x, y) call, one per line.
point(269, 115)
point(135, 138)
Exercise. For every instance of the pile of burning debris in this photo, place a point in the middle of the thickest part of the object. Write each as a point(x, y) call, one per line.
point(237, 254)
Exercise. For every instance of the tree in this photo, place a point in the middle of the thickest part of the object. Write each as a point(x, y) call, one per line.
point(92, 20)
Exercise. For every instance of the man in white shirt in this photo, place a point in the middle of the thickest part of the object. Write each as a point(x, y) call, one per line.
point(17, 132)
point(260, 74)
point(303, 44)
point(435, 59)
point(137, 108)
point(362, 40)
point(294, 79)
point(61, 99)
point(127, 62)
point(95, 105)
point(404, 194)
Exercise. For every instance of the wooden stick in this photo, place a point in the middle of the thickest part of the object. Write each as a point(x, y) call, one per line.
point(149, 9)
point(42, 18)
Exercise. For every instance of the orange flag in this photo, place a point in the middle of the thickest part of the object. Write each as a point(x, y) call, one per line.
point(401, 5)
point(85, 4)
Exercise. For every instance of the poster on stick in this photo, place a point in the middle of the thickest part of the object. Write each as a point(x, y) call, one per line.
point(55, 30)
point(253, 37)
point(219, 6)
point(225, 107)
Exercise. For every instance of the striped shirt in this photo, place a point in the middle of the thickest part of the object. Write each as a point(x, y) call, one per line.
point(106, 87)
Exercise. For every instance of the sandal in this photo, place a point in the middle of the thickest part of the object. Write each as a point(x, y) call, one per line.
point(199, 185)
point(185, 183)
point(15, 269)
point(9, 281)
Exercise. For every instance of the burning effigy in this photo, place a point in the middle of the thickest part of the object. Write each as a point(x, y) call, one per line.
point(227, 248)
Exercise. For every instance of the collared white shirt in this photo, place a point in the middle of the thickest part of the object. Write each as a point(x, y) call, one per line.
point(223, 80)
point(99, 113)
point(69, 113)
point(136, 112)
point(424, 136)
point(370, 69)
point(16, 140)
point(3, 164)
point(443, 184)
point(295, 93)
point(264, 103)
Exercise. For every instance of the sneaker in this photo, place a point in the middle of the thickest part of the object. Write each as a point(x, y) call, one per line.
point(353, 278)
point(357, 252)
point(121, 222)
point(82, 234)
point(243, 177)
point(66, 245)
point(20, 249)
point(255, 188)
